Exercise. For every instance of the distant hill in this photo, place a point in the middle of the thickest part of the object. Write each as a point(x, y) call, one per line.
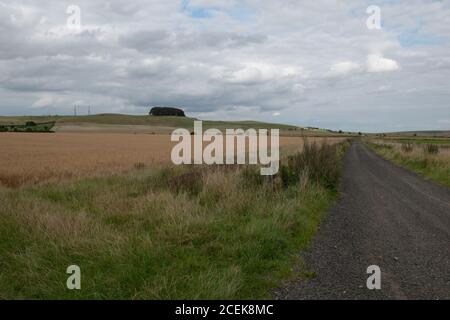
point(425, 133)
point(122, 123)
point(135, 124)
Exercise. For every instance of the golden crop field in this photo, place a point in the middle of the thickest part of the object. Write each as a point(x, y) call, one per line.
point(28, 158)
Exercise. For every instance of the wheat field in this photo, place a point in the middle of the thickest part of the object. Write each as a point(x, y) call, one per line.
point(28, 158)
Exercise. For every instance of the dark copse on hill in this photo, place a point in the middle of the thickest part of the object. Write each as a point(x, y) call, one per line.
point(166, 111)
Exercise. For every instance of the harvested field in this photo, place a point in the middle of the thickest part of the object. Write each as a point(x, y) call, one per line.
point(32, 158)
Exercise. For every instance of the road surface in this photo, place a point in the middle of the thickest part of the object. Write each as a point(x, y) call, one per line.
point(385, 216)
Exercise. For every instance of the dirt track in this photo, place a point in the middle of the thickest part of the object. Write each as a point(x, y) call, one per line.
point(386, 216)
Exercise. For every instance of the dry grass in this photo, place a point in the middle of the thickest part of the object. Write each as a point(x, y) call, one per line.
point(34, 158)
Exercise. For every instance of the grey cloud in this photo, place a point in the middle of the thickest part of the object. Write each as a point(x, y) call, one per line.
point(308, 61)
point(154, 41)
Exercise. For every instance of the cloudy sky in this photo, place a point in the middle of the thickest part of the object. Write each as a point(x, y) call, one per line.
point(312, 63)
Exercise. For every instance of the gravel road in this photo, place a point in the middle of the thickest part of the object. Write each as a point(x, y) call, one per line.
point(385, 216)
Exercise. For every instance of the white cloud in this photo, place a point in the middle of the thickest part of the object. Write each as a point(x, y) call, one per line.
point(253, 73)
point(44, 101)
point(376, 63)
point(344, 67)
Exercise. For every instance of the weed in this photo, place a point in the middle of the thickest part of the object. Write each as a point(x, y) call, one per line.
point(407, 147)
point(431, 148)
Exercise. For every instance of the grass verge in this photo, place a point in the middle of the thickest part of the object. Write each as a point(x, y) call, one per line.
point(428, 160)
point(179, 233)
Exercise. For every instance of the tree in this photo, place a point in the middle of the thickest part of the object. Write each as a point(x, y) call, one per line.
point(166, 111)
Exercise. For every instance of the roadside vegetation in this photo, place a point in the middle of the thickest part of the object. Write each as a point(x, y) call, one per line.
point(29, 126)
point(430, 160)
point(185, 232)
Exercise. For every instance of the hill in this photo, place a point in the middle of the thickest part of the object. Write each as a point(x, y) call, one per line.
point(148, 124)
point(425, 133)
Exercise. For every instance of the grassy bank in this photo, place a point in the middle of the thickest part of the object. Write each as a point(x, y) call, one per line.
point(430, 160)
point(183, 232)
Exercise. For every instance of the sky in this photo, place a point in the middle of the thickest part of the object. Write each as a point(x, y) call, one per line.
point(309, 63)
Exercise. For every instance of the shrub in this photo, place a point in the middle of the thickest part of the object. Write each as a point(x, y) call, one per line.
point(431, 148)
point(407, 147)
point(319, 164)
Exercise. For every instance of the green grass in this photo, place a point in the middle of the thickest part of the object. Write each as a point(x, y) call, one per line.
point(435, 167)
point(176, 233)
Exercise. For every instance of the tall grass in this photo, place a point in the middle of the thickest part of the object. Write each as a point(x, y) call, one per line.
point(183, 232)
point(407, 147)
point(431, 148)
point(317, 162)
